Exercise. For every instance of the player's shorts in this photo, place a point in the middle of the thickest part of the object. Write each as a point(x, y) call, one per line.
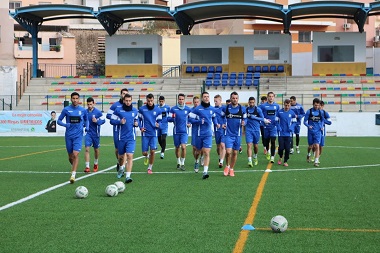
point(233, 142)
point(314, 137)
point(297, 128)
point(93, 141)
point(252, 137)
point(203, 142)
point(126, 146)
point(180, 139)
point(74, 143)
point(162, 131)
point(219, 137)
point(270, 132)
point(148, 142)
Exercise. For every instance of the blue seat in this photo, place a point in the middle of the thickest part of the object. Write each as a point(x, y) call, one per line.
point(265, 69)
point(233, 75)
point(196, 69)
point(217, 76)
point(189, 69)
point(216, 83)
point(224, 75)
point(256, 75)
point(280, 68)
point(219, 69)
point(248, 76)
point(203, 69)
point(241, 75)
point(224, 82)
point(211, 69)
point(210, 76)
point(240, 82)
point(248, 82)
point(257, 69)
point(250, 69)
point(256, 82)
point(272, 69)
point(208, 83)
point(232, 82)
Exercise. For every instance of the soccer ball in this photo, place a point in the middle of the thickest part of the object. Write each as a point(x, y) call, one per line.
point(120, 186)
point(81, 192)
point(111, 190)
point(278, 224)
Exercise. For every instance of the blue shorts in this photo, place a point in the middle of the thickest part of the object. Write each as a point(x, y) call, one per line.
point(219, 137)
point(270, 132)
point(233, 142)
point(93, 141)
point(180, 139)
point(126, 146)
point(203, 142)
point(314, 137)
point(73, 143)
point(148, 142)
point(252, 137)
point(297, 128)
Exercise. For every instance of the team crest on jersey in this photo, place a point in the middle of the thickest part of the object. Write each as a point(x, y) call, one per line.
point(211, 112)
point(80, 113)
point(185, 112)
point(154, 113)
point(133, 114)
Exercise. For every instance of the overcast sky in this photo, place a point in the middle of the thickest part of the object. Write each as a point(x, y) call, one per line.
point(174, 3)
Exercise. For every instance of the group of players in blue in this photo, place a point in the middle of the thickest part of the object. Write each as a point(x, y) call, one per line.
point(225, 122)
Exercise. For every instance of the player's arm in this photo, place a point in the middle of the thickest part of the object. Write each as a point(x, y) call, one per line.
point(301, 113)
point(61, 117)
point(115, 119)
point(101, 119)
point(306, 119)
point(111, 111)
point(327, 119)
point(159, 118)
point(194, 118)
point(293, 122)
point(86, 121)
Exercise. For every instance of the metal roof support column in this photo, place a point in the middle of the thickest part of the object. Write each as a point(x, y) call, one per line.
point(360, 17)
point(110, 22)
point(287, 20)
point(184, 22)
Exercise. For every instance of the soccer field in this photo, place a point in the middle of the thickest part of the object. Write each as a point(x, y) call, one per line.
point(332, 208)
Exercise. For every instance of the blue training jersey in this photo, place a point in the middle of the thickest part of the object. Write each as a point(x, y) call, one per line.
point(203, 117)
point(269, 112)
point(94, 127)
point(180, 119)
point(148, 119)
point(286, 121)
point(327, 121)
point(299, 111)
point(117, 104)
point(219, 117)
point(127, 130)
point(234, 117)
point(254, 118)
point(165, 109)
point(314, 118)
point(76, 120)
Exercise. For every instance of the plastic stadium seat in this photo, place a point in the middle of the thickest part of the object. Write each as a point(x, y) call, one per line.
point(256, 82)
point(216, 82)
point(272, 68)
point(217, 76)
point(241, 75)
point(256, 75)
point(265, 69)
point(257, 69)
point(224, 83)
point(250, 69)
point(232, 82)
point(248, 76)
point(208, 83)
point(196, 69)
point(240, 82)
point(211, 69)
point(248, 82)
point(219, 69)
point(189, 69)
point(280, 68)
point(203, 69)
point(210, 76)
point(233, 75)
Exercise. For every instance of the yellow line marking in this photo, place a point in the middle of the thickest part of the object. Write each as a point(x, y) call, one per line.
point(239, 246)
point(360, 230)
point(35, 153)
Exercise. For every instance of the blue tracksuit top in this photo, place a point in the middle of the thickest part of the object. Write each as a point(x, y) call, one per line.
point(94, 128)
point(180, 120)
point(286, 121)
point(148, 119)
point(76, 120)
point(127, 130)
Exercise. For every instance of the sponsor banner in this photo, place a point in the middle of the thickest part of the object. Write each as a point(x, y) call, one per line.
point(23, 121)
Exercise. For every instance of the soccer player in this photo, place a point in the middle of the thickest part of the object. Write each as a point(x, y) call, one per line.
point(116, 128)
point(126, 117)
point(314, 120)
point(286, 121)
point(235, 116)
point(219, 132)
point(179, 116)
point(270, 109)
point(327, 121)
point(76, 119)
point(150, 117)
point(95, 119)
point(204, 115)
point(51, 125)
point(263, 100)
point(300, 113)
point(194, 126)
point(163, 129)
point(252, 130)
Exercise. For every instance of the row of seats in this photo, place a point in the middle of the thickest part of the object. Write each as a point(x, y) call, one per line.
point(232, 82)
point(94, 89)
point(346, 74)
point(346, 88)
point(346, 95)
point(79, 83)
point(127, 76)
point(266, 69)
point(204, 69)
point(345, 81)
point(233, 75)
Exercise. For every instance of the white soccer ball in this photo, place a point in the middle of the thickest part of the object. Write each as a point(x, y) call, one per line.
point(278, 224)
point(120, 186)
point(111, 190)
point(81, 192)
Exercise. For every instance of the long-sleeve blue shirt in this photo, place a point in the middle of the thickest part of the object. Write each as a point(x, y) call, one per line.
point(269, 112)
point(285, 121)
point(148, 119)
point(315, 119)
point(127, 130)
point(203, 117)
point(299, 111)
point(76, 120)
point(234, 117)
point(220, 118)
point(180, 119)
point(165, 109)
point(94, 127)
point(116, 105)
point(254, 118)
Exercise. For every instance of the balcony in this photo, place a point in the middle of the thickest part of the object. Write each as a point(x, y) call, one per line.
point(44, 51)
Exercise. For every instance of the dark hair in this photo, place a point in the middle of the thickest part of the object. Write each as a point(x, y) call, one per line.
point(150, 95)
point(205, 92)
point(263, 98)
point(234, 93)
point(124, 89)
point(90, 99)
point(181, 95)
point(74, 94)
point(322, 103)
point(293, 97)
point(161, 98)
point(127, 95)
point(251, 98)
point(195, 97)
point(271, 92)
point(52, 112)
point(228, 101)
point(316, 101)
point(287, 101)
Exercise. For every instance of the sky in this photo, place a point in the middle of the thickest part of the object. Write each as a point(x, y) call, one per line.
point(174, 3)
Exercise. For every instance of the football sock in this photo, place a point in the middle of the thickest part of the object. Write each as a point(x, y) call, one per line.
point(249, 159)
point(255, 156)
point(178, 160)
point(96, 161)
point(73, 173)
point(183, 161)
point(87, 164)
point(128, 174)
point(122, 168)
point(221, 161)
point(150, 166)
point(205, 169)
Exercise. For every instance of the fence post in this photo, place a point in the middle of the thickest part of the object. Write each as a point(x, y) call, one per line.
point(360, 103)
point(341, 109)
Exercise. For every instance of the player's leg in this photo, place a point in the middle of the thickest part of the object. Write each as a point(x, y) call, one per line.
point(163, 145)
point(96, 145)
point(183, 142)
point(249, 141)
point(206, 147)
point(235, 149)
point(281, 147)
point(153, 147)
point(286, 141)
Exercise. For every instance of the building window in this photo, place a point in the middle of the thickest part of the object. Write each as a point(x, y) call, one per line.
point(14, 5)
point(274, 32)
point(144, 1)
point(304, 36)
point(266, 53)
point(41, 3)
point(259, 32)
point(336, 54)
